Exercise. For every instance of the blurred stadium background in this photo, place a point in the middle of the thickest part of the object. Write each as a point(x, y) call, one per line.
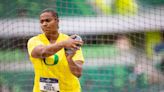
point(110, 65)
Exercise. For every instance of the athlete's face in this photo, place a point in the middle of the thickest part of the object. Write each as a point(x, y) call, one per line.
point(49, 23)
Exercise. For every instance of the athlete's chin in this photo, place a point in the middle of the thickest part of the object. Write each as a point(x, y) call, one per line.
point(49, 32)
point(46, 31)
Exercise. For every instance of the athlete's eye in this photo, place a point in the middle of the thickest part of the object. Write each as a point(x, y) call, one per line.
point(47, 20)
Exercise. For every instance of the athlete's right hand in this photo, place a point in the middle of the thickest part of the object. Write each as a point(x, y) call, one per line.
point(71, 43)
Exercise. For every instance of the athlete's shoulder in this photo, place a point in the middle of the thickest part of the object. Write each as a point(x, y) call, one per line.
point(64, 35)
point(34, 38)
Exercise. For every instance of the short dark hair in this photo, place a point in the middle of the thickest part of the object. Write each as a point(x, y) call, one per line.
point(121, 36)
point(54, 13)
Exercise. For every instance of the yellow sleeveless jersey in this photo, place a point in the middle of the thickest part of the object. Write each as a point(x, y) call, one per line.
point(54, 68)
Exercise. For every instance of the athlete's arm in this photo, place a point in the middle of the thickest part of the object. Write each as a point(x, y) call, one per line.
point(42, 51)
point(75, 66)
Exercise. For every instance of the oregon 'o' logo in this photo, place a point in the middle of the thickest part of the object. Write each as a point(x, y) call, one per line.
point(56, 60)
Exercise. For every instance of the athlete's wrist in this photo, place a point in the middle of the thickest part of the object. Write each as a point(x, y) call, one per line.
point(69, 58)
point(62, 44)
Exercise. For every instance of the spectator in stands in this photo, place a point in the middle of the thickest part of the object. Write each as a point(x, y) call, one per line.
point(123, 42)
point(159, 50)
point(55, 70)
point(125, 7)
point(122, 7)
point(101, 6)
point(153, 75)
point(126, 53)
point(148, 67)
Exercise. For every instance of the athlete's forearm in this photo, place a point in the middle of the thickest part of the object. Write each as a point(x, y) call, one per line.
point(75, 67)
point(45, 51)
point(52, 49)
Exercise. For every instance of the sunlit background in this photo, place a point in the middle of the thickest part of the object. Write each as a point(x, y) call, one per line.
point(123, 50)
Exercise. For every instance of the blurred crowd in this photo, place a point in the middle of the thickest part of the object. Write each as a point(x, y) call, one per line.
point(152, 68)
point(122, 7)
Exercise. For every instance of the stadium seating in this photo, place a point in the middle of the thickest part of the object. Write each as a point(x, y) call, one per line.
point(73, 8)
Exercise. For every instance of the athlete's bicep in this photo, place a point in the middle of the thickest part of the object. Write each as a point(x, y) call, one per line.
point(37, 51)
point(32, 43)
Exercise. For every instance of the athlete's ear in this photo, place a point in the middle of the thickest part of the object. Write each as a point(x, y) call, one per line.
point(57, 20)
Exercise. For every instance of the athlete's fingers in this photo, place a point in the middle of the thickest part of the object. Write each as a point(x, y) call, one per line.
point(80, 43)
point(73, 36)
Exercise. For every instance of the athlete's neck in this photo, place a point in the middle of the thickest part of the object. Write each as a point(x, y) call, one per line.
point(52, 37)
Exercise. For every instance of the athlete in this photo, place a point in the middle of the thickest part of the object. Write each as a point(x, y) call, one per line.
point(55, 70)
